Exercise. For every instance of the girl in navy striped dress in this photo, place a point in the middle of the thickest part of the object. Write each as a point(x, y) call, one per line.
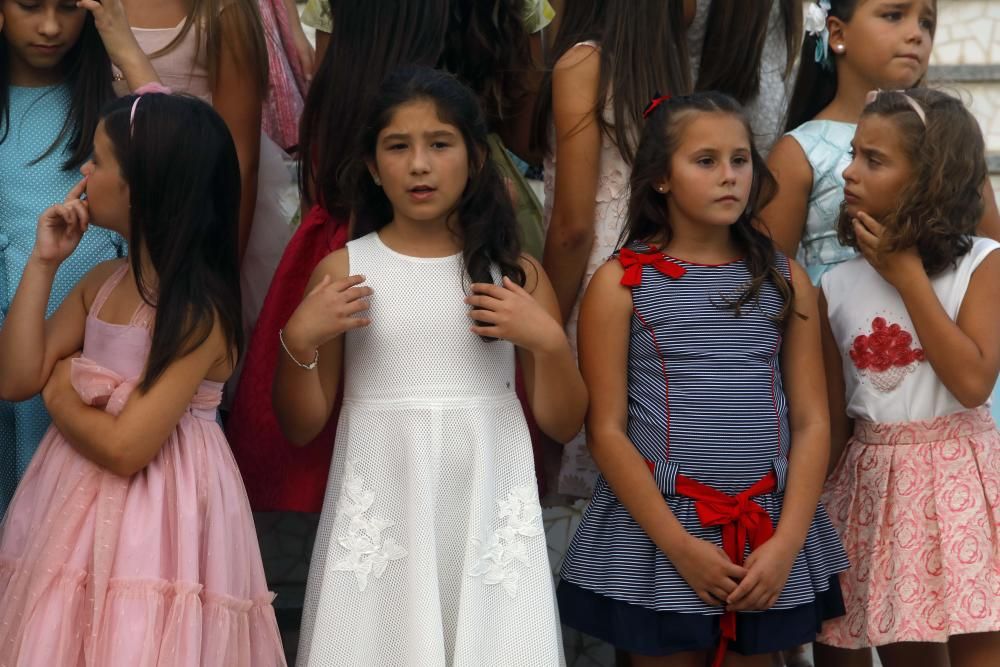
point(692, 341)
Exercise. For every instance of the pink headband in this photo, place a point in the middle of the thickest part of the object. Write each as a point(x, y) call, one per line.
point(873, 95)
point(145, 89)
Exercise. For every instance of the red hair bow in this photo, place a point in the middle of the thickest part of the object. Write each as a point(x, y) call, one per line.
point(655, 102)
point(634, 261)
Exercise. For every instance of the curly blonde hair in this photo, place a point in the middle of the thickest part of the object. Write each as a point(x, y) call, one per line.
point(941, 206)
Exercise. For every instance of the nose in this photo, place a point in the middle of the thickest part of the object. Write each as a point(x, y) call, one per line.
point(50, 27)
point(419, 163)
point(850, 175)
point(914, 32)
point(728, 172)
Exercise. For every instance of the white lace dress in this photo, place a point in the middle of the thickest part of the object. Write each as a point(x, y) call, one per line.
point(430, 549)
point(578, 473)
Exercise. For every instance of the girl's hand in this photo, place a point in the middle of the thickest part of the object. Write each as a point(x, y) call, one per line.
point(327, 311)
point(511, 313)
point(61, 227)
point(897, 267)
point(112, 25)
point(305, 50)
point(767, 571)
point(708, 570)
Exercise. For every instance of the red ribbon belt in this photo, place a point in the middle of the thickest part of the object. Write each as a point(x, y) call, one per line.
point(634, 261)
point(742, 521)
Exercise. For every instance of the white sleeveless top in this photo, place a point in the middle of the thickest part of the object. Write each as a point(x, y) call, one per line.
point(887, 376)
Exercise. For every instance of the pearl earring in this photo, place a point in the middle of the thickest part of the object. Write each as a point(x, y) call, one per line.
point(840, 48)
point(378, 182)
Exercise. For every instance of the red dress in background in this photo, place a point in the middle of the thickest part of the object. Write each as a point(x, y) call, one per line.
point(278, 475)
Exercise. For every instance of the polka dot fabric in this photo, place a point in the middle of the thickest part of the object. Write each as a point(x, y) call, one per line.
point(26, 189)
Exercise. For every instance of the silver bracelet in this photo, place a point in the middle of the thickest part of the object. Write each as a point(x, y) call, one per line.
point(310, 366)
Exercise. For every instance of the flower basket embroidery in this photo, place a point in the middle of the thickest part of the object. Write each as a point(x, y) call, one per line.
point(885, 355)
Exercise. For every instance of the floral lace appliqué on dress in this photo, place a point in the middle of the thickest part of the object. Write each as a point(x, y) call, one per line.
point(368, 551)
point(499, 557)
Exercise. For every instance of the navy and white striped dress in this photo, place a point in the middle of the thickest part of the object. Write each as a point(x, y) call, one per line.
point(705, 400)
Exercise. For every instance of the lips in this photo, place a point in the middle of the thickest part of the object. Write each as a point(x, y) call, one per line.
point(421, 192)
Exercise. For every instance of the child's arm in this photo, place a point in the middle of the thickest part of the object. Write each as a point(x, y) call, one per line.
point(307, 54)
point(30, 346)
point(529, 318)
point(126, 443)
point(120, 43)
point(334, 302)
point(238, 98)
point(809, 426)
point(989, 225)
point(964, 353)
point(578, 158)
point(605, 317)
point(841, 426)
point(784, 218)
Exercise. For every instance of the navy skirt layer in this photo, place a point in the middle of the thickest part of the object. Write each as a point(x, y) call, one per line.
point(635, 629)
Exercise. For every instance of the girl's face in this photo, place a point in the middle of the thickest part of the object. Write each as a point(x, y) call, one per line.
point(39, 34)
point(422, 163)
point(887, 42)
point(711, 171)
point(107, 191)
point(879, 169)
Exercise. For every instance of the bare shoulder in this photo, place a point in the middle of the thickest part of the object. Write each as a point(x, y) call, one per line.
point(534, 274)
point(581, 57)
point(788, 161)
point(336, 265)
point(606, 287)
point(91, 283)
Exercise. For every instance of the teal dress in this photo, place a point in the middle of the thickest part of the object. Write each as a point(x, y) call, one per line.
point(827, 145)
point(26, 189)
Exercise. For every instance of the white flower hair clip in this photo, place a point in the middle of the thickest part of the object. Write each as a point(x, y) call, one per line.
point(815, 25)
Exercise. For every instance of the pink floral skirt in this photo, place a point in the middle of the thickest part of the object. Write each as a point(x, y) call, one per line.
point(917, 506)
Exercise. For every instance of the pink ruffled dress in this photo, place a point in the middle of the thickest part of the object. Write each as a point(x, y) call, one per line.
point(161, 568)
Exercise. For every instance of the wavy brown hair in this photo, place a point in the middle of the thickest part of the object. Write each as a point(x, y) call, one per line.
point(734, 44)
point(368, 41)
point(643, 48)
point(939, 209)
point(205, 18)
point(648, 214)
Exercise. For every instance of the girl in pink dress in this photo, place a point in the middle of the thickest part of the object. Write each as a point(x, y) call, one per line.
point(912, 349)
point(130, 541)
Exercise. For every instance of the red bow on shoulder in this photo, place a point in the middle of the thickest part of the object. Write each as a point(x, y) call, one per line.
point(634, 261)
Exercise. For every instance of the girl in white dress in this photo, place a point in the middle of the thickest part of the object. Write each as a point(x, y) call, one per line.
point(430, 549)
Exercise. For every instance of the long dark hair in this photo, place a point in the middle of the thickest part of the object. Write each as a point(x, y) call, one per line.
point(88, 77)
point(939, 209)
point(487, 48)
point(369, 39)
point(734, 45)
point(648, 215)
point(180, 164)
point(484, 213)
point(643, 48)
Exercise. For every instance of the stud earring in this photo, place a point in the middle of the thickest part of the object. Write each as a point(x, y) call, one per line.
point(839, 48)
point(377, 180)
